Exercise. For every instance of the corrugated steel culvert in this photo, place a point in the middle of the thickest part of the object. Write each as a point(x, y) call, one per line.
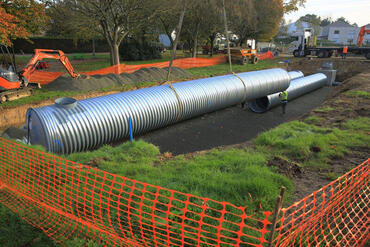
point(70, 126)
point(297, 88)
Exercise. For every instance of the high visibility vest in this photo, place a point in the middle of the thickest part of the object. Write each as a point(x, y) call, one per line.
point(345, 49)
point(284, 96)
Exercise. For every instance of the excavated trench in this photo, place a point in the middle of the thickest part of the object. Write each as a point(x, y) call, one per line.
point(226, 127)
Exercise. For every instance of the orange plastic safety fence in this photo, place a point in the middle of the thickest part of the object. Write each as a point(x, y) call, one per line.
point(69, 200)
point(267, 55)
point(45, 77)
point(336, 215)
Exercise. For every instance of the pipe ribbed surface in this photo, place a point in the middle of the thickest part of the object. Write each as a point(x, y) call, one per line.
point(297, 88)
point(70, 126)
point(296, 74)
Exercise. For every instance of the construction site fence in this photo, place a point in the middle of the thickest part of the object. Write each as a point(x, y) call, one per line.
point(45, 77)
point(68, 200)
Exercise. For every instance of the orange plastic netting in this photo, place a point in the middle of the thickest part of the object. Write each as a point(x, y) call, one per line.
point(45, 77)
point(335, 215)
point(69, 200)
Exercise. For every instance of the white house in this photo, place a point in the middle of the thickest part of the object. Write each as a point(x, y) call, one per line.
point(341, 33)
point(297, 27)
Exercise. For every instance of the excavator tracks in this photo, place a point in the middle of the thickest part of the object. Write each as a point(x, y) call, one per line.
point(15, 94)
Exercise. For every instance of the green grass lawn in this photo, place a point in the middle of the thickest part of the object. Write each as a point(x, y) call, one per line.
point(238, 174)
point(224, 175)
point(222, 69)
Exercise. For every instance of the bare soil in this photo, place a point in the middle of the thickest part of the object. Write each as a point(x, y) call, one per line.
point(96, 82)
point(345, 68)
point(345, 107)
point(16, 116)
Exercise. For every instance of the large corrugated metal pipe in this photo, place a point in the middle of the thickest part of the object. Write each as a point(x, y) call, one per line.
point(295, 74)
point(69, 126)
point(297, 88)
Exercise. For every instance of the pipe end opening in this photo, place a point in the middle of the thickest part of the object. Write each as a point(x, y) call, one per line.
point(259, 105)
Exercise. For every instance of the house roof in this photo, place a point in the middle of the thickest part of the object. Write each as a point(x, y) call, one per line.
point(340, 24)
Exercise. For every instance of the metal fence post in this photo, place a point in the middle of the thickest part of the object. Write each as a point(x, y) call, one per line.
point(279, 203)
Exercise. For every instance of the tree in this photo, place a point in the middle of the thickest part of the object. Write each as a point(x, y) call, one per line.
point(283, 28)
point(292, 5)
point(178, 33)
point(193, 23)
point(67, 22)
point(20, 18)
point(10, 28)
point(314, 21)
point(119, 18)
point(243, 20)
point(211, 23)
point(269, 15)
point(343, 19)
point(168, 20)
point(326, 21)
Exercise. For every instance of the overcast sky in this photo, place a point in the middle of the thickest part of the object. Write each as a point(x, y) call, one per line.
point(353, 10)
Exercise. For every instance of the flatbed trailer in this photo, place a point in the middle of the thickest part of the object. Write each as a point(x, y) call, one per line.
point(325, 52)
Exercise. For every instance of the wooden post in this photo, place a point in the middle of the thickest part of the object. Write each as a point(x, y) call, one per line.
point(279, 203)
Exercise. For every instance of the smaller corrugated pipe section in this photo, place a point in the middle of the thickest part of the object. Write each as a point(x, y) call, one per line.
point(297, 88)
point(72, 126)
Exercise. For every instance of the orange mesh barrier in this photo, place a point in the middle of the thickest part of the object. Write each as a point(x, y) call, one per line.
point(68, 200)
point(267, 55)
point(45, 77)
point(336, 215)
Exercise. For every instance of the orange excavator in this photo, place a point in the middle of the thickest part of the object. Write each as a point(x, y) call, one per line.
point(361, 35)
point(15, 85)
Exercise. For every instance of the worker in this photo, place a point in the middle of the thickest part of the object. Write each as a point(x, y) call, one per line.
point(284, 100)
point(300, 53)
point(345, 51)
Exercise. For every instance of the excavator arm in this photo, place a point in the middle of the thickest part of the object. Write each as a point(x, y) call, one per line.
point(361, 35)
point(41, 54)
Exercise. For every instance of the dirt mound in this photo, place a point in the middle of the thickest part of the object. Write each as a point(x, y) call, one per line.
point(14, 133)
point(360, 82)
point(345, 68)
point(95, 82)
point(347, 101)
point(288, 168)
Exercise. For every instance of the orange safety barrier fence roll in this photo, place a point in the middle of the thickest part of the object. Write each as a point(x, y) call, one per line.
point(69, 200)
point(336, 215)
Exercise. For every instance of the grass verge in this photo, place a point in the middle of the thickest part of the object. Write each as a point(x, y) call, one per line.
point(225, 175)
point(222, 69)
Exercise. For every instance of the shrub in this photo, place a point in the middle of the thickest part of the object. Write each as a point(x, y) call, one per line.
point(135, 51)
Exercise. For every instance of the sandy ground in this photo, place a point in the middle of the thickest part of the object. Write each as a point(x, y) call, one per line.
point(229, 126)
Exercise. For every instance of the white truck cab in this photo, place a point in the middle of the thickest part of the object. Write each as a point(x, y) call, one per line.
point(302, 40)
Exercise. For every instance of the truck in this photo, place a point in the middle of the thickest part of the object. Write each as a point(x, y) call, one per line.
point(305, 45)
